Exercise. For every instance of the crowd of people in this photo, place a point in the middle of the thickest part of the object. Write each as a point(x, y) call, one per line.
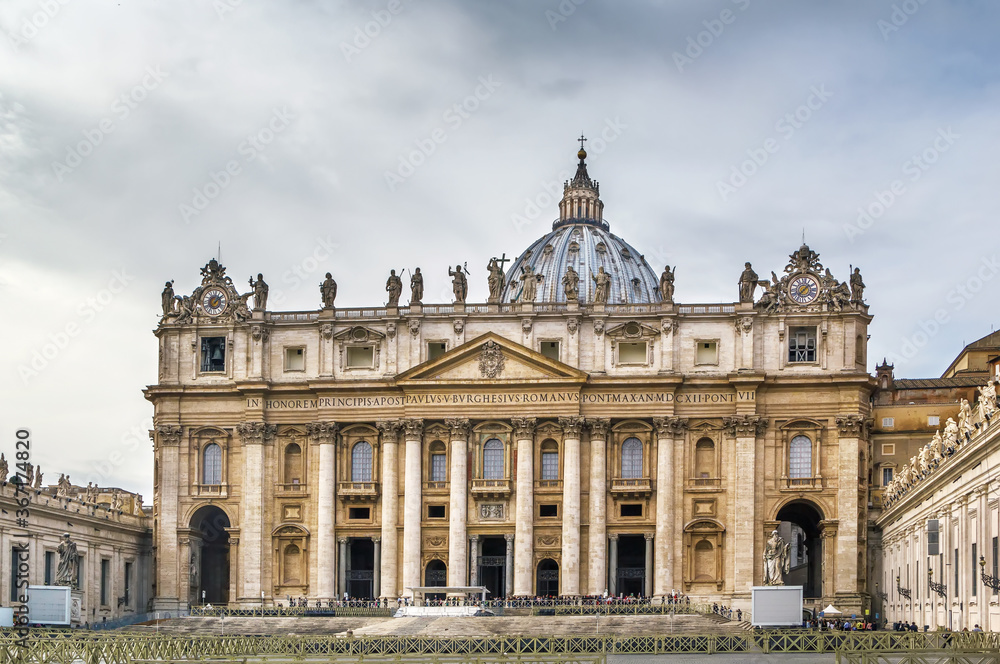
point(727, 612)
point(674, 598)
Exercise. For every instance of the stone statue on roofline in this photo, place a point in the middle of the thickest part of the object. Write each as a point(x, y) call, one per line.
point(459, 284)
point(496, 279)
point(667, 285)
point(260, 290)
point(571, 284)
point(602, 286)
point(328, 291)
point(748, 283)
point(394, 286)
point(416, 287)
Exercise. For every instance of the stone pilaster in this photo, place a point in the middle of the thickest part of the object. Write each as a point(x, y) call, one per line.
point(324, 436)
point(166, 447)
point(458, 490)
point(253, 437)
point(853, 429)
point(667, 535)
point(524, 433)
point(474, 560)
point(377, 567)
point(390, 507)
point(509, 571)
point(597, 530)
point(569, 573)
point(648, 578)
point(745, 428)
point(342, 568)
point(613, 566)
point(413, 496)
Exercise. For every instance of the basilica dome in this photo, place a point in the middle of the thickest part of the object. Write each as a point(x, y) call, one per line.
point(581, 239)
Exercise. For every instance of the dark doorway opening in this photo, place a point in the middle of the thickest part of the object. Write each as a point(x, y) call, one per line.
point(212, 574)
point(436, 574)
point(806, 565)
point(548, 578)
point(360, 568)
point(492, 566)
point(631, 565)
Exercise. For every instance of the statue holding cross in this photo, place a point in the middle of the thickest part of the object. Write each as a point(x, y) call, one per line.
point(496, 278)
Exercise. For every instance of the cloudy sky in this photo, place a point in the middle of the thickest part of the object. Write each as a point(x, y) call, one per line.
point(355, 137)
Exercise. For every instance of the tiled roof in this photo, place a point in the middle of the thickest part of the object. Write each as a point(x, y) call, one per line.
point(937, 383)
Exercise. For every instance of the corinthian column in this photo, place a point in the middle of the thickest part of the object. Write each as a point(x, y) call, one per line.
point(597, 575)
point(458, 491)
point(253, 437)
point(667, 538)
point(413, 495)
point(569, 574)
point(324, 435)
point(390, 508)
point(524, 527)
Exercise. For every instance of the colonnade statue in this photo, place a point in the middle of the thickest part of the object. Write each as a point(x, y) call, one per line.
point(68, 570)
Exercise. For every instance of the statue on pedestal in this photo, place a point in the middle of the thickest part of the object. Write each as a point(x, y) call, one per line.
point(4, 468)
point(459, 284)
point(167, 299)
point(416, 287)
point(68, 570)
point(776, 560)
point(259, 293)
point(748, 283)
point(667, 285)
point(602, 286)
point(496, 277)
point(328, 290)
point(571, 284)
point(38, 478)
point(394, 286)
point(857, 287)
point(530, 280)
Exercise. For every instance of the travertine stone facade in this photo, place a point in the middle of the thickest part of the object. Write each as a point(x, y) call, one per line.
point(537, 447)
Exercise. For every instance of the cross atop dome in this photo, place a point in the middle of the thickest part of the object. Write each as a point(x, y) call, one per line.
point(581, 202)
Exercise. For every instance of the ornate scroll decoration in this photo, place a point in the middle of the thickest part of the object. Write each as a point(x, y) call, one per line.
point(166, 434)
point(322, 432)
point(459, 325)
point(526, 325)
point(435, 541)
point(598, 428)
point(413, 428)
point(670, 426)
point(745, 425)
point(599, 326)
point(571, 426)
point(744, 325)
point(666, 326)
point(390, 330)
point(572, 324)
point(491, 360)
point(547, 541)
point(524, 427)
point(390, 430)
point(459, 428)
point(854, 426)
point(414, 327)
point(259, 332)
point(326, 330)
point(256, 433)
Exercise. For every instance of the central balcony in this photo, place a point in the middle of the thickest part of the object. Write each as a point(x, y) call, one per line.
point(491, 488)
point(631, 487)
point(358, 491)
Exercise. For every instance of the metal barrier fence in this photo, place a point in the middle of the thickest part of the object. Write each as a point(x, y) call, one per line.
point(625, 609)
point(295, 611)
point(126, 647)
point(919, 657)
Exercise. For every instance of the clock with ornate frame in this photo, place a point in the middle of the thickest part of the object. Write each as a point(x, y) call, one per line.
point(214, 301)
point(803, 289)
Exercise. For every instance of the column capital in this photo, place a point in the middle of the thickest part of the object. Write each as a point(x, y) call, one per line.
point(613, 537)
point(377, 540)
point(322, 433)
point(459, 428)
point(743, 426)
point(524, 427)
point(342, 541)
point(854, 426)
point(509, 537)
point(166, 434)
point(670, 426)
point(571, 426)
point(598, 427)
point(413, 428)
point(256, 433)
point(473, 538)
point(390, 430)
point(648, 536)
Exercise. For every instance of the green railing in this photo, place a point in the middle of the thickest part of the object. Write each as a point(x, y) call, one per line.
point(125, 647)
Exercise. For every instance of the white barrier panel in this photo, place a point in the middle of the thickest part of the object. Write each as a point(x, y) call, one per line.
point(49, 605)
point(435, 611)
point(776, 606)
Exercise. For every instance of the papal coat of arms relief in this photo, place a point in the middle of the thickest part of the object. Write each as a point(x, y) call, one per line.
point(491, 360)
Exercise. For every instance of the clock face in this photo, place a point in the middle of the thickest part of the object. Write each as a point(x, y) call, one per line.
point(803, 289)
point(214, 301)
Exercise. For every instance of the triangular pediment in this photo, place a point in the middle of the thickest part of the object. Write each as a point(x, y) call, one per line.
point(491, 358)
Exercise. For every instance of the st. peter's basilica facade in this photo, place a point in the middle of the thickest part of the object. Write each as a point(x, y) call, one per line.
point(579, 433)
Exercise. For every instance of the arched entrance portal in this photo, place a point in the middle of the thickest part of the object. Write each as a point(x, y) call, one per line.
point(800, 527)
point(548, 578)
point(209, 571)
point(436, 574)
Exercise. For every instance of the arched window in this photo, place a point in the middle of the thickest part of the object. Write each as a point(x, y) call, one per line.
point(293, 464)
point(704, 458)
point(550, 460)
point(211, 471)
point(361, 462)
point(493, 459)
point(631, 459)
point(800, 457)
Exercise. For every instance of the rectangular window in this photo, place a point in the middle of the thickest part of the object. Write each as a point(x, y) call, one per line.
point(550, 349)
point(933, 420)
point(50, 567)
point(802, 344)
point(435, 511)
point(105, 580)
point(295, 359)
point(886, 476)
point(80, 578)
point(888, 422)
point(631, 509)
point(128, 584)
point(707, 352)
point(632, 352)
point(439, 468)
point(548, 510)
point(550, 465)
point(359, 513)
point(360, 357)
point(975, 564)
point(213, 354)
point(435, 349)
